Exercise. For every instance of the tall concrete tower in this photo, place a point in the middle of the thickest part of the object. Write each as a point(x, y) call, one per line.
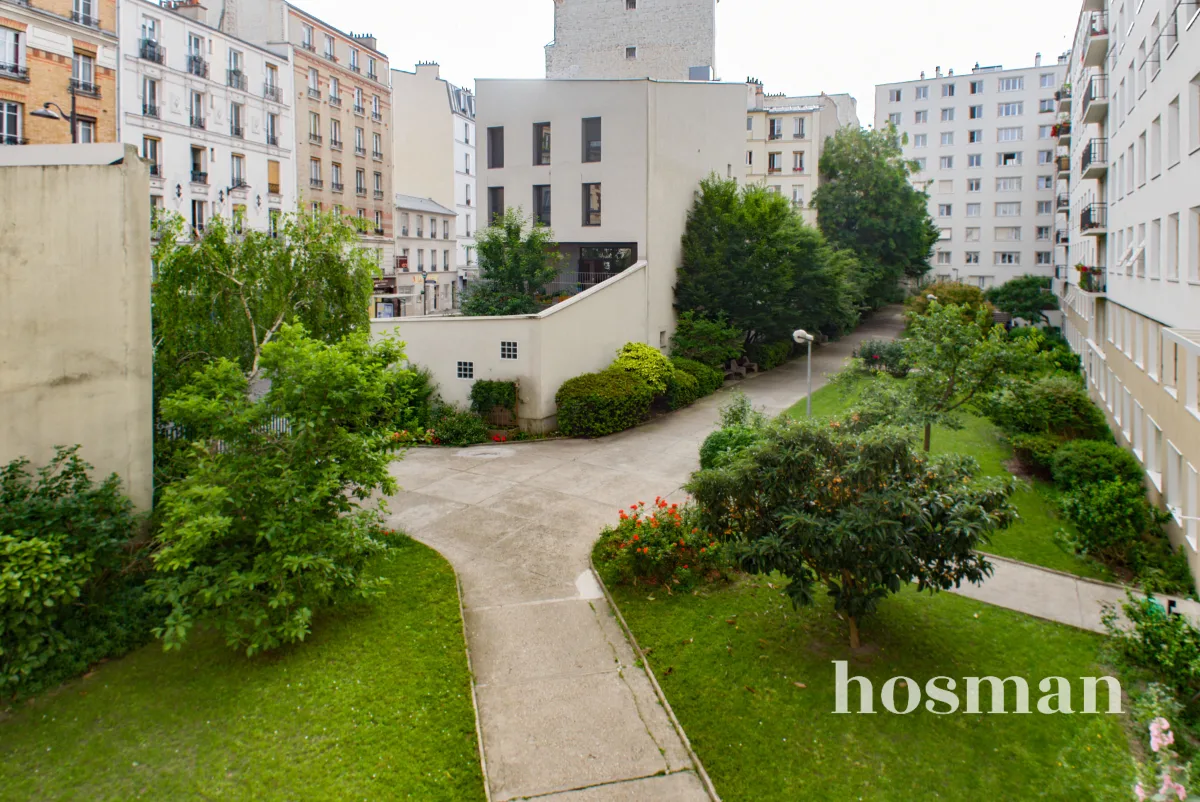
point(668, 39)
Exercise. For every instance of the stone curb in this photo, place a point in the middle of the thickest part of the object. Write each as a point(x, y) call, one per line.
point(662, 697)
point(487, 786)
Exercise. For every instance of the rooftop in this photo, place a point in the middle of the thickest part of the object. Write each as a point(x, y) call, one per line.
point(412, 203)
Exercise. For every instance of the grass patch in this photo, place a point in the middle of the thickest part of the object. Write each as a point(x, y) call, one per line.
point(1030, 539)
point(732, 685)
point(376, 704)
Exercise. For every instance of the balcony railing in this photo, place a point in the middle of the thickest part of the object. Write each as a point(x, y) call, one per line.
point(150, 110)
point(199, 177)
point(774, 136)
point(329, 54)
point(1097, 92)
point(372, 76)
point(238, 183)
point(1095, 157)
point(335, 144)
point(335, 101)
point(13, 139)
point(273, 92)
point(272, 140)
point(237, 131)
point(316, 182)
point(314, 138)
point(359, 110)
point(17, 71)
point(337, 186)
point(359, 150)
point(1064, 201)
point(1062, 237)
point(1064, 93)
point(272, 189)
point(404, 231)
point(356, 68)
point(309, 46)
point(376, 155)
point(1094, 218)
point(1064, 163)
point(376, 116)
point(152, 51)
point(84, 19)
point(379, 232)
point(1093, 279)
point(156, 171)
point(313, 93)
point(361, 191)
point(379, 194)
point(197, 121)
point(236, 79)
point(88, 88)
point(196, 65)
point(1061, 130)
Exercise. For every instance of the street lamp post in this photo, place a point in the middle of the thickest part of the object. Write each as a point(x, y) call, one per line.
point(801, 336)
point(46, 113)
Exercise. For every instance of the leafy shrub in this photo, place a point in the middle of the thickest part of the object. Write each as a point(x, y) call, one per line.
point(1050, 411)
point(708, 380)
point(1037, 450)
point(664, 547)
point(1059, 357)
point(1110, 517)
point(726, 443)
point(596, 404)
point(682, 389)
point(885, 355)
point(1082, 463)
point(69, 591)
point(450, 426)
point(1166, 645)
point(646, 363)
point(967, 296)
point(707, 341)
point(769, 356)
point(411, 396)
point(487, 395)
point(1161, 568)
point(267, 528)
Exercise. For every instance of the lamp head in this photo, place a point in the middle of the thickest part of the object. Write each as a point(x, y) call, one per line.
point(801, 336)
point(45, 112)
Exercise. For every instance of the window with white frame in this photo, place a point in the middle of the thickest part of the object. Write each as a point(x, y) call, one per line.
point(1011, 84)
point(1010, 109)
point(974, 185)
point(508, 349)
point(921, 93)
point(1008, 209)
point(1044, 131)
point(1045, 207)
point(1008, 184)
point(465, 370)
point(1008, 159)
point(1042, 233)
point(947, 115)
point(947, 90)
point(1043, 258)
point(920, 140)
point(920, 164)
point(974, 234)
point(971, 258)
point(1045, 105)
point(976, 87)
point(943, 257)
point(921, 116)
point(1045, 182)
point(1045, 157)
point(975, 113)
point(974, 136)
point(974, 209)
point(945, 186)
point(894, 95)
point(1008, 257)
point(12, 53)
point(1175, 479)
point(1154, 452)
point(1007, 234)
point(945, 234)
point(946, 162)
point(1046, 80)
point(974, 159)
point(894, 118)
point(1010, 134)
point(947, 137)
point(944, 210)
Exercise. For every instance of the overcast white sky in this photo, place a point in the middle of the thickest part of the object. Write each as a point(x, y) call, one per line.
point(793, 46)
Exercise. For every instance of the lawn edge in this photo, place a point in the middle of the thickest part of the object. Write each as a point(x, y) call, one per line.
point(697, 765)
point(462, 621)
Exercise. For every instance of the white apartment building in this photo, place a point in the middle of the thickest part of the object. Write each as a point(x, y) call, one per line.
point(784, 140)
point(424, 279)
point(1132, 124)
point(667, 39)
point(462, 106)
point(985, 148)
point(211, 113)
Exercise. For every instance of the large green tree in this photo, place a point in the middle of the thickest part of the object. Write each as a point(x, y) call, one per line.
point(860, 514)
point(747, 256)
point(1026, 297)
point(866, 203)
point(516, 262)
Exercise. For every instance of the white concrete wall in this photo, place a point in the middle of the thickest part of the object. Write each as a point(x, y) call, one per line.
point(75, 353)
point(466, 195)
point(580, 335)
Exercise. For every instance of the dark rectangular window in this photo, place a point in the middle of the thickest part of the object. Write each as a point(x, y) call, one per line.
point(591, 139)
point(464, 370)
point(541, 204)
point(495, 203)
point(591, 204)
point(495, 146)
point(541, 143)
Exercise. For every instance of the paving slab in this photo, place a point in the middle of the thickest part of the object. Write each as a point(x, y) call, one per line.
point(682, 786)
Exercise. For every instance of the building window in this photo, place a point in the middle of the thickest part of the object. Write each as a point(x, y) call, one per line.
point(974, 209)
point(971, 258)
point(1046, 80)
point(86, 132)
point(974, 159)
point(975, 112)
point(749, 123)
point(1042, 233)
point(947, 90)
point(774, 162)
point(921, 116)
point(894, 95)
point(495, 147)
point(83, 74)
point(1046, 105)
point(797, 161)
point(1008, 209)
point(1010, 109)
point(774, 128)
point(541, 144)
point(354, 59)
point(591, 139)
point(377, 147)
point(1045, 182)
point(237, 169)
point(920, 164)
point(329, 54)
point(947, 115)
point(1012, 134)
point(1008, 184)
point(798, 128)
point(591, 204)
point(1008, 258)
point(465, 370)
point(946, 162)
point(944, 210)
point(921, 93)
point(1008, 159)
point(541, 204)
point(1045, 157)
point(1011, 84)
point(495, 203)
point(1043, 207)
point(943, 257)
point(306, 38)
point(894, 118)
point(11, 63)
point(974, 185)
point(150, 152)
point(631, 52)
point(1044, 131)
point(976, 87)
point(508, 349)
point(1043, 257)
point(947, 138)
point(920, 140)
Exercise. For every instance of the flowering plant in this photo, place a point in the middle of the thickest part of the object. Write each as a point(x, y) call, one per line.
point(1167, 778)
point(662, 547)
point(416, 437)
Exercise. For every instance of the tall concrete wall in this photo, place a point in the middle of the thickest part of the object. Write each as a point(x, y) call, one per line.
point(75, 347)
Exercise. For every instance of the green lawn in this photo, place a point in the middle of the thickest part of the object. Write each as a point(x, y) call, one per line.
point(375, 705)
point(1030, 539)
point(729, 658)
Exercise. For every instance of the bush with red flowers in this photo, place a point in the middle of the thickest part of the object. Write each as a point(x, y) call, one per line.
point(661, 545)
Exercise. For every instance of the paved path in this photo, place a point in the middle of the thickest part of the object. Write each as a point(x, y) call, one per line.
point(564, 712)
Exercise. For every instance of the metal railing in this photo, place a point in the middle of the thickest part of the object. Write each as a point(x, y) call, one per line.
point(273, 189)
point(17, 71)
point(335, 101)
point(315, 94)
point(316, 182)
point(13, 139)
point(1097, 90)
point(237, 131)
point(1064, 163)
point(272, 140)
point(156, 171)
point(362, 191)
point(379, 194)
point(337, 186)
point(1062, 237)
point(196, 121)
point(359, 150)
point(236, 79)
point(273, 92)
point(151, 50)
point(314, 138)
point(1095, 279)
point(335, 144)
point(1096, 153)
point(376, 117)
point(376, 155)
point(85, 19)
point(309, 46)
point(199, 177)
point(197, 66)
point(359, 110)
point(88, 88)
point(1064, 201)
point(150, 110)
point(1095, 216)
point(570, 283)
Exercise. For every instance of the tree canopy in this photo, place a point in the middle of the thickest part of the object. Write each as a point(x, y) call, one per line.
point(516, 262)
point(1026, 297)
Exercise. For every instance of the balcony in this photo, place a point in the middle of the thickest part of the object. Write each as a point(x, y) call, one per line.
point(199, 177)
point(13, 139)
point(1095, 99)
point(359, 150)
point(774, 169)
point(1093, 222)
point(309, 46)
point(360, 191)
point(314, 93)
point(379, 194)
point(156, 171)
point(237, 131)
point(1063, 96)
point(337, 186)
point(775, 135)
point(84, 19)
point(329, 54)
point(379, 232)
point(335, 144)
point(151, 50)
point(15, 71)
point(404, 231)
point(150, 110)
point(376, 155)
point(273, 92)
point(335, 101)
point(272, 189)
point(1062, 131)
point(1095, 47)
point(315, 139)
point(272, 140)
point(372, 76)
point(1062, 237)
point(356, 68)
point(1093, 279)
point(316, 183)
point(196, 65)
point(88, 88)
point(236, 79)
point(196, 120)
point(376, 117)
point(239, 183)
point(1094, 163)
point(359, 110)
point(1064, 202)
point(1064, 164)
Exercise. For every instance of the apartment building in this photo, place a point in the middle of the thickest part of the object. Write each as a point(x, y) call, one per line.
point(667, 39)
point(343, 111)
point(985, 146)
point(212, 115)
point(612, 166)
point(424, 279)
point(1130, 288)
point(784, 139)
point(59, 55)
point(433, 152)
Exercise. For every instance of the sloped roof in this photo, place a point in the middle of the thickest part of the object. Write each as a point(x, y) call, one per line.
point(415, 204)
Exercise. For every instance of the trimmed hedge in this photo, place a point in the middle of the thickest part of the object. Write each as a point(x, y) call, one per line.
point(769, 355)
point(1082, 463)
point(682, 389)
point(726, 443)
point(708, 379)
point(596, 404)
point(645, 362)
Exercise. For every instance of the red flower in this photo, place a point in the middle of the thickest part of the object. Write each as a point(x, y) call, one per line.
point(635, 537)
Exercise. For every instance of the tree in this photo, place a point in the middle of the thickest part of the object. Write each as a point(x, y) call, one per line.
point(967, 296)
point(861, 514)
point(1026, 297)
point(516, 262)
point(747, 257)
point(955, 361)
point(867, 204)
point(229, 293)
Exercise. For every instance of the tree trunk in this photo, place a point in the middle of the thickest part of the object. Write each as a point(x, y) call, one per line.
point(928, 431)
point(853, 632)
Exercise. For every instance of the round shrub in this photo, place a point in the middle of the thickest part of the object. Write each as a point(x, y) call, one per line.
point(708, 379)
point(682, 389)
point(457, 427)
point(1052, 405)
point(662, 545)
point(725, 444)
point(709, 342)
point(647, 363)
point(1110, 517)
point(596, 404)
point(885, 355)
point(1084, 462)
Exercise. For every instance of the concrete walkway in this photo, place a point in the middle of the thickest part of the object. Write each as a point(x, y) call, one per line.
point(564, 711)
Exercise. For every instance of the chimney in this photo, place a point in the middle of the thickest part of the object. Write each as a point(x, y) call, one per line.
point(922, 75)
point(951, 73)
point(937, 72)
point(366, 40)
point(429, 66)
point(192, 10)
point(1037, 60)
